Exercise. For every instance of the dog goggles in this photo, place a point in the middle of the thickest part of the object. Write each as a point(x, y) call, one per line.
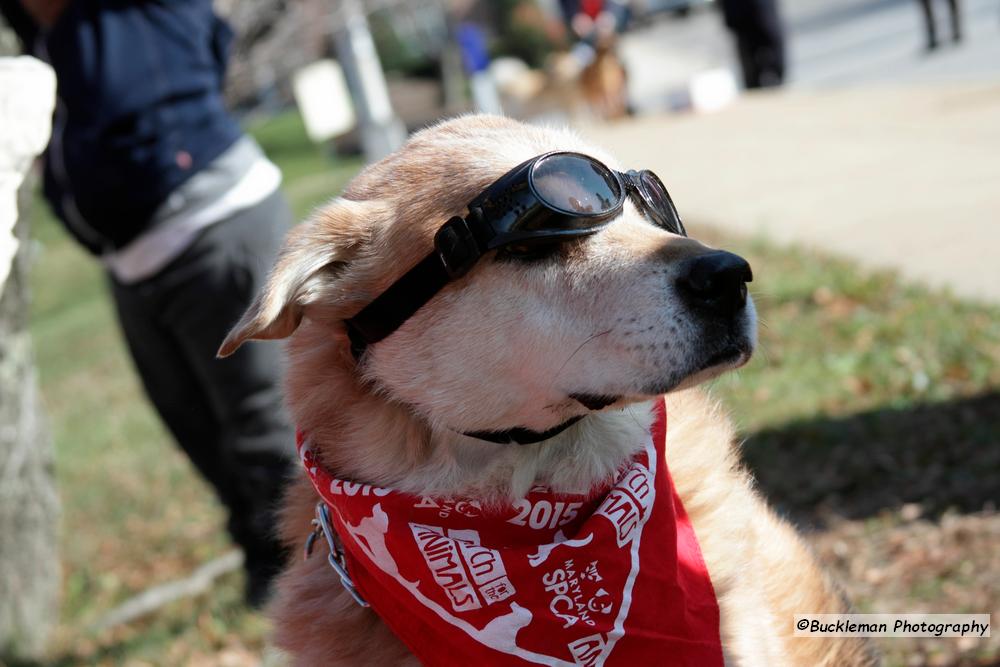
point(548, 199)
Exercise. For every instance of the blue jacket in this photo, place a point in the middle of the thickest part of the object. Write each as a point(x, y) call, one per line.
point(139, 108)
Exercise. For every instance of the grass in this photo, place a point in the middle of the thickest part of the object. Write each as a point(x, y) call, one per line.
point(890, 344)
point(872, 413)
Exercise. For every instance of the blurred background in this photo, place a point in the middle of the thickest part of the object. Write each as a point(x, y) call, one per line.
point(847, 151)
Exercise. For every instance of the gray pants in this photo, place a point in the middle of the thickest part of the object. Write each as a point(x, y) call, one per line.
point(226, 414)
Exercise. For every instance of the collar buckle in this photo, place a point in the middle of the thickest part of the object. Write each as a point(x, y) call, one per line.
point(337, 559)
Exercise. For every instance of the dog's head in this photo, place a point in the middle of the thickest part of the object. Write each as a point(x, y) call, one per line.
point(622, 315)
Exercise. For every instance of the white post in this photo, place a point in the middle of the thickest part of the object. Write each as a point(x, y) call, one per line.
point(27, 96)
point(381, 130)
point(29, 504)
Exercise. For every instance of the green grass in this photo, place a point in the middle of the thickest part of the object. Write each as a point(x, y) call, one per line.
point(877, 392)
point(855, 369)
point(836, 339)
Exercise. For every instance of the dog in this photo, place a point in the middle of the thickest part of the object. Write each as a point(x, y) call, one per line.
point(604, 82)
point(586, 339)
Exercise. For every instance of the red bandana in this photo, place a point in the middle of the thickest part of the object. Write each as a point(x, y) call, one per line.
point(552, 580)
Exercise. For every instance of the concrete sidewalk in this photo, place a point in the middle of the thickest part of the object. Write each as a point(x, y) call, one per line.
point(903, 178)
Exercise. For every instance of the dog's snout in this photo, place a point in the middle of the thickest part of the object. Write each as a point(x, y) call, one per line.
point(715, 281)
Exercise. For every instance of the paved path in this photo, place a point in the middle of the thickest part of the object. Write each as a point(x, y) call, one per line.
point(830, 44)
point(906, 178)
point(876, 41)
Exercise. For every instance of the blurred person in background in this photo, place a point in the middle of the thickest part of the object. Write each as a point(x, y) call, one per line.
point(931, 28)
point(149, 172)
point(760, 40)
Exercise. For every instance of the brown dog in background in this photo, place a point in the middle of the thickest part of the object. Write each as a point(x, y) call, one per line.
point(495, 349)
point(604, 82)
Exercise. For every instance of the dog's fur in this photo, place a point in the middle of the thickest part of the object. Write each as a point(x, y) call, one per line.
point(505, 346)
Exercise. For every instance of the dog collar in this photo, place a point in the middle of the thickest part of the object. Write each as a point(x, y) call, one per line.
point(523, 436)
point(614, 577)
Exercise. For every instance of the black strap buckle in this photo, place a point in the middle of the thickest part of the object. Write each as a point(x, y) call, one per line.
point(457, 247)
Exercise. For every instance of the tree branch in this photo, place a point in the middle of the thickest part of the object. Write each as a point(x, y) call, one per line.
point(153, 599)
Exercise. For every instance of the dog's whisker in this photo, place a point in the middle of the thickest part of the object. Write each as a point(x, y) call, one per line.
point(763, 351)
point(630, 411)
point(574, 353)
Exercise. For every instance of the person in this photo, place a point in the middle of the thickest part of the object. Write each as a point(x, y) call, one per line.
point(956, 22)
point(149, 172)
point(760, 40)
point(592, 20)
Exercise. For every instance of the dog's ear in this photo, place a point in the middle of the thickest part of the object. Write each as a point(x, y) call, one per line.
point(314, 256)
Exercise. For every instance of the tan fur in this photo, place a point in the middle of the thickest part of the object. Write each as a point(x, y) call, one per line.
point(503, 347)
point(603, 83)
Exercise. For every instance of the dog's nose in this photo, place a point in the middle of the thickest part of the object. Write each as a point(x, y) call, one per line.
point(716, 282)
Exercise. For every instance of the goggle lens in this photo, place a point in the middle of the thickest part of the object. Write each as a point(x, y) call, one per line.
point(575, 185)
point(657, 205)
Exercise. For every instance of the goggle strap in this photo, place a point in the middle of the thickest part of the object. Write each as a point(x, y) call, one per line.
point(398, 303)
